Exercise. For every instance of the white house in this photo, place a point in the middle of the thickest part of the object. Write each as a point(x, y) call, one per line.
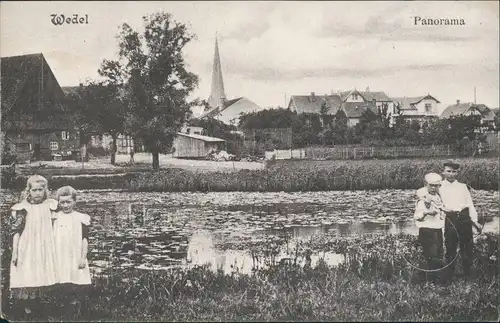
point(420, 108)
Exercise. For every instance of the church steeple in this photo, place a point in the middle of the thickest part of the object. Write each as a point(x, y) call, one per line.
point(217, 95)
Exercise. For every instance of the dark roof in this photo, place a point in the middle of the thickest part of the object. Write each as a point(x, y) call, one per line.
point(30, 91)
point(367, 95)
point(357, 109)
point(312, 104)
point(462, 108)
point(407, 103)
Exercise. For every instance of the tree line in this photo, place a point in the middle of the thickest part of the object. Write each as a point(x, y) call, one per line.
point(373, 129)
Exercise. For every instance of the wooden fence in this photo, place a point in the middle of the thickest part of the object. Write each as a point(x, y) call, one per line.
point(345, 152)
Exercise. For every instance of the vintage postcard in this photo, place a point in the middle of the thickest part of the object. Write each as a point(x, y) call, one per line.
point(249, 161)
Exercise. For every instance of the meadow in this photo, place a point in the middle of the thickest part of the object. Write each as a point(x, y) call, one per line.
point(375, 283)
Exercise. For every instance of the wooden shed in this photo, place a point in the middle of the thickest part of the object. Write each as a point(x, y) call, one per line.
point(196, 146)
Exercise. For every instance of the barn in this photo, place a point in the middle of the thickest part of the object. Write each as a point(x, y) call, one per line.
point(34, 121)
point(196, 146)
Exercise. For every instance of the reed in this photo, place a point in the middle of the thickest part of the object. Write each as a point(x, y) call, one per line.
point(305, 175)
point(283, 175)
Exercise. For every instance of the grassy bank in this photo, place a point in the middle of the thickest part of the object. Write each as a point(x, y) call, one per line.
point(282, 175)
point(373, 285)
point(303, 175)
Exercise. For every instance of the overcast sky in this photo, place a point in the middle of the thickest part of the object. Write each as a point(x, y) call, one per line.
point(272, 49)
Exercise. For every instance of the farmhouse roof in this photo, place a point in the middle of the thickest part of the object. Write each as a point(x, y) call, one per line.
point(313, 103)
point(31, 96)
point(28, 83)
point(200, 137)
point(357, 109)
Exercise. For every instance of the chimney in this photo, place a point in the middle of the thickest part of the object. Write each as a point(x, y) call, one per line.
point(367, 89)
point(458, 101)
point(313, 97)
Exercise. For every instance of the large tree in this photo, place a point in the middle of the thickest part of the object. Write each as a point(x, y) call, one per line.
point(151, 65)
point(98, 109)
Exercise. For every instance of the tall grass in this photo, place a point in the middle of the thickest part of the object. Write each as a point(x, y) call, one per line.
point(285, 175)
point(361, 290)
point(319, 176)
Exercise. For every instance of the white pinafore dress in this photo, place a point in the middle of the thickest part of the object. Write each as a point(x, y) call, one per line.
point(68, 238)
point(36, 266)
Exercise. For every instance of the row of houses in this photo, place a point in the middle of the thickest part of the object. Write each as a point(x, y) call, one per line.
point(355, 103)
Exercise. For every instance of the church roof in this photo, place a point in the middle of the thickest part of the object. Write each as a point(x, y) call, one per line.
point(217, 111)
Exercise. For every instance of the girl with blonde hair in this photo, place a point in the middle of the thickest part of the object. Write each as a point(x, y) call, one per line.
point(33, 271)
point(71, 233)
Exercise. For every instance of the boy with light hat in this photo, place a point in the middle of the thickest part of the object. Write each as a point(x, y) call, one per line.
point(429, 218)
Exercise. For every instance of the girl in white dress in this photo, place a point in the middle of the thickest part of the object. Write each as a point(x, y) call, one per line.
point(71, 240)
point(33, 270)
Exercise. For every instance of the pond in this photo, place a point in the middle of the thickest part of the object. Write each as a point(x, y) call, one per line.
point(239, 231)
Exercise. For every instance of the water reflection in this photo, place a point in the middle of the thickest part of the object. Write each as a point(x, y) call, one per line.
point(161, 230)
point(156, 236)
point(201, 250)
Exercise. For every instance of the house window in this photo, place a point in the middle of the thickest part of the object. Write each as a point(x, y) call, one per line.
point(54, 145)
point(65, 135)
point(355, 97)
point(428, 107)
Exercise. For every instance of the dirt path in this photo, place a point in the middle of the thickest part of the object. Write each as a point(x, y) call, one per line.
point(143, 160)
